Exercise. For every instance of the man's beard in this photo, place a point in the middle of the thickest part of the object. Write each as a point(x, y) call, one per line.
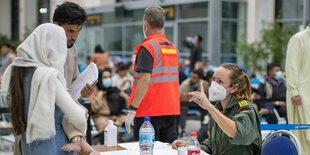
point(70, 43)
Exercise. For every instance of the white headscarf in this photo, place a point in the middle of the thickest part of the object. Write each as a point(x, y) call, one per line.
point(46, 49)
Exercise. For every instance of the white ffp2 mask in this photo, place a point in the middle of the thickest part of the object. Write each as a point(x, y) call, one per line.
point(216, 92)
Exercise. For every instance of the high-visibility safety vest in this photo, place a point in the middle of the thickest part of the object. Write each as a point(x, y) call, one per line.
point(163, 96)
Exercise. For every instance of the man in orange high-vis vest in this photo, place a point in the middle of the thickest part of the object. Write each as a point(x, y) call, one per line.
point(155, 91)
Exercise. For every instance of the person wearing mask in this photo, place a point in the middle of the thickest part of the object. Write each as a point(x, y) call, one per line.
point(122, 80)
point(40, 102)
point(100, 58)
point(155, 90)
point(273, 87)
point(298, 85)
point(7, 58)
point(107, 103)
point(196, 51)
point(189, 85)
point(234, 125)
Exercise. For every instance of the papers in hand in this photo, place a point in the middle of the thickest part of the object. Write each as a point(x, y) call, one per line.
point(89, 75)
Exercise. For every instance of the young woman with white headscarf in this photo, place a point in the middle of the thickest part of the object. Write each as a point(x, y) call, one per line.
point(39, 99)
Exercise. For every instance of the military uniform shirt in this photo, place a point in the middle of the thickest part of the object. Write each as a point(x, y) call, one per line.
point(248, 137)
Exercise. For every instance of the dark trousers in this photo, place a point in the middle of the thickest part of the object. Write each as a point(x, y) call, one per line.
point(165, 127)
point(184, 110)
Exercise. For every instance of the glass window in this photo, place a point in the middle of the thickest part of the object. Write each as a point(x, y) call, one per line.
point(113, 38)
point(193, 10)
point(134, 37)
point(110, 17)
point(236, 10)
point(231, 33)
point(80, 44)
point(291, 25)
point(134, 15)
point(98, 37)
point(289, 9)
point(230, 59)
point(169, 34)
point(190, 30)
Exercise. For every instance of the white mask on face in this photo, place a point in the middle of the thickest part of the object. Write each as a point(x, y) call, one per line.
point(217, 92)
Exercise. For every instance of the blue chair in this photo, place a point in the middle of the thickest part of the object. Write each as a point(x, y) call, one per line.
point(277, 144)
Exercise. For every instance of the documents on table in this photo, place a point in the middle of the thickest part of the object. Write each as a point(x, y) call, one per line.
point(133, 148)
point(89, 75)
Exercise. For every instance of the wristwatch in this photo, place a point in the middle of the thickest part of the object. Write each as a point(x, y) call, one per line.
point(131, 107)
point(76, 139)
point(277, 102)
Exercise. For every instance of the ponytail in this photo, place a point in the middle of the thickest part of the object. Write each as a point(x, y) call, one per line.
point(241, 80)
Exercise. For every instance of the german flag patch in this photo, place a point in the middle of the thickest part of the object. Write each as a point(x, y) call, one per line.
point(244, 111)
point(243, 103)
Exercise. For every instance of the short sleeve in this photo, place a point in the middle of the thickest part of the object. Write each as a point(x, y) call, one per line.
point(246, 123)
point(144, 61)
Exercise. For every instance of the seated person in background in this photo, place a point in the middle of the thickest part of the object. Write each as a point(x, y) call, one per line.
point(273, 87)
point(122, 80)
point(208, 76)
point(6, 56)
point(100, 58)
point(189, 85)
point(182, 75)
point(234, 124)
point(107, 103)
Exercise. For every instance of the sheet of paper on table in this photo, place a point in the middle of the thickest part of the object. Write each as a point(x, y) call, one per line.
point(89, 75)
point(160, 148)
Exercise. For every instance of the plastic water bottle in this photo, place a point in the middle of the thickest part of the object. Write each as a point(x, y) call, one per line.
point(110, 134)
point(146, 137)
point(193, 147)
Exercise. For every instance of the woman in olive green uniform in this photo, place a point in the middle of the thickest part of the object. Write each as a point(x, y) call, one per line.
point(234, 126)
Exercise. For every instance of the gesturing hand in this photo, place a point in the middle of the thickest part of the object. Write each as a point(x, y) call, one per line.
point(200, 98)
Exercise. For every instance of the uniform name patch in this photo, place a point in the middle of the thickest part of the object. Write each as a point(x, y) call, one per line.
point(169, 51)
point(243, 103)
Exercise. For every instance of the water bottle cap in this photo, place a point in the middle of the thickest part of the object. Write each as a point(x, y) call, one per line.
point(110, 122)
point(194, 134)
point(147, 119)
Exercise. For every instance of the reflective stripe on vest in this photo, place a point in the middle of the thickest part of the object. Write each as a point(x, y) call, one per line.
point(159, 70)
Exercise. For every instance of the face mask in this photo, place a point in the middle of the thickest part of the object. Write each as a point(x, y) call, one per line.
point(217, 92)
point(195, 85)
point(278, 75)
point(107, 82)
point(211, 68)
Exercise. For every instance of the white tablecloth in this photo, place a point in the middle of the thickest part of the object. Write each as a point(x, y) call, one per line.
point(160, 148)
